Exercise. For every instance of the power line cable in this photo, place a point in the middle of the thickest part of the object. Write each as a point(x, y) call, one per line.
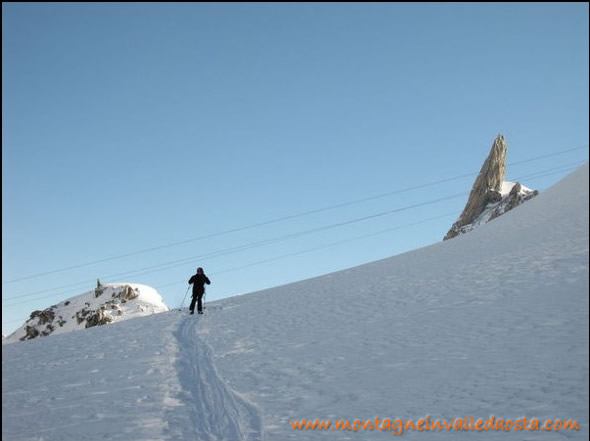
point(542, 173)
point(550, 155)
point(333, 244)
point(223, 252)
point(279, 219)
point(306, 251)
point(167, 265)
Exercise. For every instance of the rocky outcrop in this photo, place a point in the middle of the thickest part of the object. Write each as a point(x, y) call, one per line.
point(99, 290)
point(487, 199)
point(127, 294)
point(517, 196)
point(105, 304)
point(99, 318)
point(30, 333)
point(45, 316)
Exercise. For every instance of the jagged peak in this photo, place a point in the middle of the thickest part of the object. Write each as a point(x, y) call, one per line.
point(489, 198)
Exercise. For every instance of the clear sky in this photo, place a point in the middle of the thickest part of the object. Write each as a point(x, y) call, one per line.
point(173, 127)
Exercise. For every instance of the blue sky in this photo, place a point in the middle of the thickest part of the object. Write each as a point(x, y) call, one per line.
point(128, 127)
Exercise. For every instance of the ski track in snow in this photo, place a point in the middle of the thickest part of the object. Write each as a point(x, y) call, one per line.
point(217, 411)
point(119, 386)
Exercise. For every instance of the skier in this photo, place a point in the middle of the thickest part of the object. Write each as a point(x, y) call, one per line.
point(198, 281)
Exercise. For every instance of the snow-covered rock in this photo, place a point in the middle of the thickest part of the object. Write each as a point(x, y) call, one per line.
point(106, 304)
point(510, 195)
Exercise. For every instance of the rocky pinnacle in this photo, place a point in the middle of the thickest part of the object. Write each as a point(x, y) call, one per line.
point(486, 187)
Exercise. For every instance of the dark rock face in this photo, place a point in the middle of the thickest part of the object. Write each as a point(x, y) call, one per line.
point(98, 319)
point(45, 316)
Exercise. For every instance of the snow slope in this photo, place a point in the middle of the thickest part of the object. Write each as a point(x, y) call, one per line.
point(107, 304)
point(491, 323)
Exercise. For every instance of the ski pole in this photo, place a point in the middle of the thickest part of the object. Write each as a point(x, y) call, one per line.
point(182, 304)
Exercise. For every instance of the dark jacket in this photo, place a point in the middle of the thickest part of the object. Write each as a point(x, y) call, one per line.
point(198, 281)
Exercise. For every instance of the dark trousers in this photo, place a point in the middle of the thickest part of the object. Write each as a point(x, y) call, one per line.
point(197, 298)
